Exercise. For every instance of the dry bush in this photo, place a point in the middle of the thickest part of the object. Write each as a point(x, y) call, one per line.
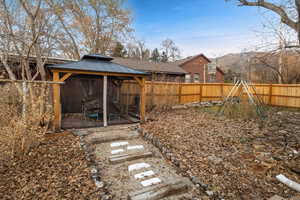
point(23, 121)
point(243, 110)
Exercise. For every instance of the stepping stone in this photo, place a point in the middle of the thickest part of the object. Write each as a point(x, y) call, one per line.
point(128, 157)
point(116, 151)
point(98, 138)
point(168, 188)
point(138, 166)
point(150, 182)
point(135, 147)
point(118, 144)
point(144, 174)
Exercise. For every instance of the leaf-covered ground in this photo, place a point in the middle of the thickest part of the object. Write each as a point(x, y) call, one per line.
point(57, 169)
point(237, 158)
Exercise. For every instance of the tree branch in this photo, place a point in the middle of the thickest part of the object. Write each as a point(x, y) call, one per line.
point(276, 9)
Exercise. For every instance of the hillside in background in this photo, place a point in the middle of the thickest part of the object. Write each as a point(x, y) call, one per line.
point(236, 62)
point(261, 66)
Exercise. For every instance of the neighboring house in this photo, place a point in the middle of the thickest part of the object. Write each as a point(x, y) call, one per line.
point(190, 69)
point(159, 71)
point(196, 68)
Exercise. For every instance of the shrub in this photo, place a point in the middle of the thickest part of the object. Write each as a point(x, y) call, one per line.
point(23, 121)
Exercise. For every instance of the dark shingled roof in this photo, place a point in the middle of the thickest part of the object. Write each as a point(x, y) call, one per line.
point(97, 63)
point(187, 59)
point(169, 68)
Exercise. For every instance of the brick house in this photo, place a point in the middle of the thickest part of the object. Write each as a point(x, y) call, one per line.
point(196, 68)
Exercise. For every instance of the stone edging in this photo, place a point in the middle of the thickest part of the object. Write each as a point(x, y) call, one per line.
point(169, 155)
point(95, 171)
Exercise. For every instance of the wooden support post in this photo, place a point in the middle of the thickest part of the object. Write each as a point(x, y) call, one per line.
point(56, 102)
point(104, 101)
point(270, 94)
point(143, 100)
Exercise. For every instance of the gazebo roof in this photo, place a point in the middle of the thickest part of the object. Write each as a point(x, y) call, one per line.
point(97, 63)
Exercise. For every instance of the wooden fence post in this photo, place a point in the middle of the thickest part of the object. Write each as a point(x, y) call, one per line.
point(200, 94)
point(270, 94)
point(222, 91)
point(143, 100)
point(152, 93)
point(180, 93)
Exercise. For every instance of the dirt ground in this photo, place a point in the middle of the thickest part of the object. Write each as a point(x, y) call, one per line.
point(239, 158)
point(56, 170)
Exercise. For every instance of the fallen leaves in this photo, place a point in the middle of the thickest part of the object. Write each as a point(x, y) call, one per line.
point(237, 157)
point(57, 169)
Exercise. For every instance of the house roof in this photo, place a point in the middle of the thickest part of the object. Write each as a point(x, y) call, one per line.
point(97, 63)
point(169, 68)
point(190, 58)
point(220, 70)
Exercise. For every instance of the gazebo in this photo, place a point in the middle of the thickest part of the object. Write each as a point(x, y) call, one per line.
point(99, 66)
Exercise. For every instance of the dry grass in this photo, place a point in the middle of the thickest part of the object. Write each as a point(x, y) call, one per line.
point(19, 130)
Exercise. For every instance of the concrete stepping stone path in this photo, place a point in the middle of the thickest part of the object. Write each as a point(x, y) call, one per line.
point(144, 174)
point(133, 168)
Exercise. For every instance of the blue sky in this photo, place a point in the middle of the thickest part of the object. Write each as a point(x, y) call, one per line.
point(212, 27)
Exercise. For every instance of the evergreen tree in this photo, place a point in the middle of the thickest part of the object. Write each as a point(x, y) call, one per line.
point(119, 50)
point(155, 56)
point(164, 57)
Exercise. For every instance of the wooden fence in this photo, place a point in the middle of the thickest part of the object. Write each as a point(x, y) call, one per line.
point(166, 93)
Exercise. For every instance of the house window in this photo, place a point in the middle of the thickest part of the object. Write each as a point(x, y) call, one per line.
point(188, 78)
point(196, 78)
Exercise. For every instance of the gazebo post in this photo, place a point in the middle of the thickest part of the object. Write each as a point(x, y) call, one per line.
point(56, 102)
point(105, 101)
point(142, 83)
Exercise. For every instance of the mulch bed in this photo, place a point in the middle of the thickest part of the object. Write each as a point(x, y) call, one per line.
point(56, 169)
point(238, 158)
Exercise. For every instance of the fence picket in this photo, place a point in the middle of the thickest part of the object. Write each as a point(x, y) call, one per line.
point(168, 93)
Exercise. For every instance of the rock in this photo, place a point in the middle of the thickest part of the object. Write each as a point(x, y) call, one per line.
point(105, 197)
point(215, 160)
point(179, 107)
point(99, 184)
point(283, 132)
point(209, 193)
point(198, 182)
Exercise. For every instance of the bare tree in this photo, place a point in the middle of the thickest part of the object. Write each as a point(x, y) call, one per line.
point(170, 50)
point(27, 29)
point(91, 26)
point(288, 11)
